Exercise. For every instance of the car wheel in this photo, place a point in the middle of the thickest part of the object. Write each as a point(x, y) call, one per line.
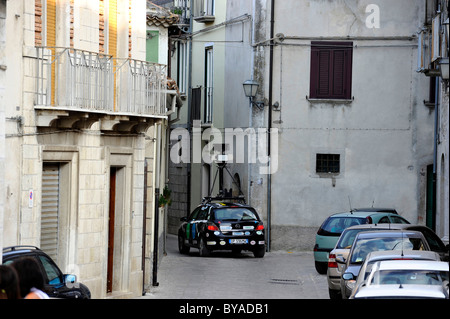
point(181, 246)
point(204, 251)
point(259, 252)
point(321, 267)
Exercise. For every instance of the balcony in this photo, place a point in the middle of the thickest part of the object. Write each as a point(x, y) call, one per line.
point(204, 11)
point(76, 88)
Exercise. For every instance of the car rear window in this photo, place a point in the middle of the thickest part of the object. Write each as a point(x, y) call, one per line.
point(410, 277)
point(334, 226)
point(364, 246)
point(399, 220)
point(234, 214)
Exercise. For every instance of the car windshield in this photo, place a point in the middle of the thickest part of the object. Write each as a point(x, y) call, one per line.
point(364, 246)
point(234, 214)
point(336, 225)
point(409, 277)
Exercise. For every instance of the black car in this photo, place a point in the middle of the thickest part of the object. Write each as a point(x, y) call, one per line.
point(57, 285)
point(222, 226)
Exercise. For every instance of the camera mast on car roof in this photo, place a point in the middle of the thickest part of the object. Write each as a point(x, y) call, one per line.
point(224, 194)
point(209, 199)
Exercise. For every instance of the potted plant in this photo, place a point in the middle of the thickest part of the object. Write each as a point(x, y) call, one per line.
point(164, 198)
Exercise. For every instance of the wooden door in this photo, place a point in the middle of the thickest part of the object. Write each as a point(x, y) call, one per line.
point(112, 206)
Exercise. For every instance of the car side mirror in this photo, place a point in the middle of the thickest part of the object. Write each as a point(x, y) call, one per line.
point(348, 276)
point(183, 219)
point(70, 281)
point(340, 259)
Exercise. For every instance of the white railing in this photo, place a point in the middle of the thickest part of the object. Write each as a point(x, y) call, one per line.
point(141, 87)
point(86, 80)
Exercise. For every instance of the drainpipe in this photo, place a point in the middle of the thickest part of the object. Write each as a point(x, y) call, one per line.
point(269, 127)
point(144, 228)
point(189, 89)
point(155, 241)
point(156, 173)
point(435, 155)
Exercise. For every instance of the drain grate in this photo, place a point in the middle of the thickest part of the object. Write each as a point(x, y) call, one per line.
point(284, 281)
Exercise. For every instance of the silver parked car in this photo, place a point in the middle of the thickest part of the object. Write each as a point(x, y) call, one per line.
point(366, 242)
point(407, 279)
point(377, 256)
point(342, 248)
point(340, 251)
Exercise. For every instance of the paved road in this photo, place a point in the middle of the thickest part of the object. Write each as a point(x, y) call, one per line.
point(279, 275)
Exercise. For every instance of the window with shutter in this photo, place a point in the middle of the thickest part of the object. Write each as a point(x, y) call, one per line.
point(331, 70)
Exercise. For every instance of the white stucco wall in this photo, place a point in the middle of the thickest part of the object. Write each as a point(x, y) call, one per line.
point(384, 134)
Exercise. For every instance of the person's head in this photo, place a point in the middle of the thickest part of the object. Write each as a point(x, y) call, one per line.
point(9, 283)
point(30, 275)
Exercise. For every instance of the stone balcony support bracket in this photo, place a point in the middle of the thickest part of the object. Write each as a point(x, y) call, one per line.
point(70, 118)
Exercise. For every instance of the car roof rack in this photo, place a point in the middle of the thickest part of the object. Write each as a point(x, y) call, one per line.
point(209, 199)
point(19, 247)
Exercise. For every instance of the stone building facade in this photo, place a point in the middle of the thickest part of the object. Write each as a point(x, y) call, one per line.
point(86, 117)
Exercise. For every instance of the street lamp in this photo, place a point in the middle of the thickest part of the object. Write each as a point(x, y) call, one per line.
point(443, 68)
point(250, 89)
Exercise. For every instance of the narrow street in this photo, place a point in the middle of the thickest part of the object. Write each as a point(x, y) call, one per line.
point(279, 275)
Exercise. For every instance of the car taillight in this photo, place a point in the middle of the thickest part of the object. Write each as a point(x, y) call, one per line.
point(259, 227)
point(213, 227)
point(332, 261)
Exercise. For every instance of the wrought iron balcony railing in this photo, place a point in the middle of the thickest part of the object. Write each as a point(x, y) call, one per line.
point(89, 81)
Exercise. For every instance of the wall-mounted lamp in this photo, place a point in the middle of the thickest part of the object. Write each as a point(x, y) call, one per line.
point(250, 89)
point(443, 68)
point(443, 63)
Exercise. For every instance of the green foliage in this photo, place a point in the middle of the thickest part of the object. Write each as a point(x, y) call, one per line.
point(164, 198)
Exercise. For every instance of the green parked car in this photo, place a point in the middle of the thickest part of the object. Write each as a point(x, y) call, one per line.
point(329, 232)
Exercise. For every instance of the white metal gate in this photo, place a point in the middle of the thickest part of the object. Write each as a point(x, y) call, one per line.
point(49, 210)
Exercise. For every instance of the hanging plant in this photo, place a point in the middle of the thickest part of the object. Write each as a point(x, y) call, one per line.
point(164, 198)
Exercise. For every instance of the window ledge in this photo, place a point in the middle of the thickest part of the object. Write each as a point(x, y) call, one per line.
point(331, 101)
point(327, 175)
point(205, 18)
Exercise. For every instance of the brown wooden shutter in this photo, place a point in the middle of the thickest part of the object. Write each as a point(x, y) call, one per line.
point(331, 70)
point(338, 73)
point(314, 74)
point(324, 73)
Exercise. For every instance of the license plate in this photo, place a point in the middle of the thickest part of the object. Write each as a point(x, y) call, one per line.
point(238, 241)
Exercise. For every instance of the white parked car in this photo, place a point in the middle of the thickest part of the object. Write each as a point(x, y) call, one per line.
point(377, 256)
point(406, 279)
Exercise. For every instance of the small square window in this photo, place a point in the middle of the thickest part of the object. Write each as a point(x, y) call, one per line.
point(328, 163)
